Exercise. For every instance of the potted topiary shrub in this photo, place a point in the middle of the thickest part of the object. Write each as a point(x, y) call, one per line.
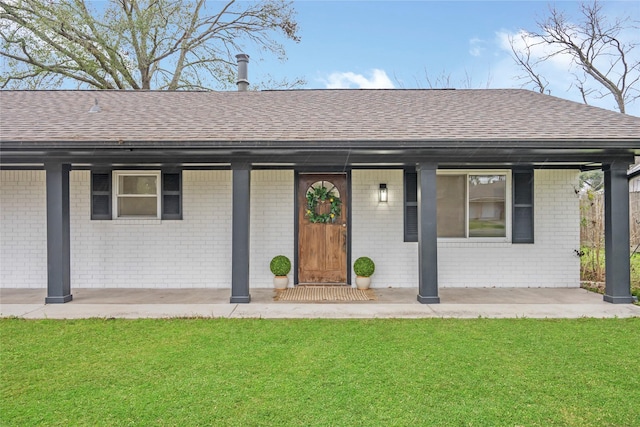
point(364, 268)
point(280, 266)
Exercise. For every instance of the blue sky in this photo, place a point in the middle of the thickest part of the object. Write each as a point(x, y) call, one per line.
point(394, 43)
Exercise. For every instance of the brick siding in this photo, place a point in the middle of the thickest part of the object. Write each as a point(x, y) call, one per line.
point(272, 223)
point(549, 262)
point(23, 229)
point(196, 251)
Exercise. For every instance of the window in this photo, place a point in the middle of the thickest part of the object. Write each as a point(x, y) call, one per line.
point(136, 194)
point(476, 205)
point(472, 205)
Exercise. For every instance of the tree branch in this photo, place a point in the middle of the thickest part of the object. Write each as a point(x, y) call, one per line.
point(133, 43)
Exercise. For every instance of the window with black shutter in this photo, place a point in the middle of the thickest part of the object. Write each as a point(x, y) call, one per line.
point(135, 196)
point(476, 223)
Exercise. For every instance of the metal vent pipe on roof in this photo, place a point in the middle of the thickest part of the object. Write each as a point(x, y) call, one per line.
point(95, 108)
point(243, 75)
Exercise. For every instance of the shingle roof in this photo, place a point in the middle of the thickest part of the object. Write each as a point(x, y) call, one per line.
point(510, 115)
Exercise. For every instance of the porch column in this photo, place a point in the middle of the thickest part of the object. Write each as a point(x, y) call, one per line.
point(240, 233)
point(58, 237)
point(427, 234)
point(616, 234)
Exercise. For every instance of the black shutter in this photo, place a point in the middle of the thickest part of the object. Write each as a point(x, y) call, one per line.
point(522, 206)
point(171, 195)
point(410, 206)
point(100, 195)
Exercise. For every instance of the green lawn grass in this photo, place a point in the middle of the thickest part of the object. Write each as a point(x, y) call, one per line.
point(221, 372)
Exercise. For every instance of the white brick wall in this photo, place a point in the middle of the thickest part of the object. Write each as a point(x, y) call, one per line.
point(377, 229)
point(550, 262)
point(23, 229)
point(196, 252)
point(192, 252)
point(272, 223)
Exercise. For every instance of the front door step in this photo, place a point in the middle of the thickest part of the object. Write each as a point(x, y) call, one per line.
point(320, 294)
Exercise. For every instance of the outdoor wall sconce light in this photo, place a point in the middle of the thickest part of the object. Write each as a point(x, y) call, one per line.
point(383, 195)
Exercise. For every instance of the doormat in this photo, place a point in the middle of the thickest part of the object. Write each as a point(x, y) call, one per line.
point(324, 294)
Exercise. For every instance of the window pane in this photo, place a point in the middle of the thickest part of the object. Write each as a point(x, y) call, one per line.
point(137, 184)
point(451, 205)
point(137, 206)
point(487, 205)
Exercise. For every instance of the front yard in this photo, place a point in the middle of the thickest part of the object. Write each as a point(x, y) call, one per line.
point(320, 372)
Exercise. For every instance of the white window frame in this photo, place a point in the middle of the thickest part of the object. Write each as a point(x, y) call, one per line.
point(507, 202)
point(116, 192)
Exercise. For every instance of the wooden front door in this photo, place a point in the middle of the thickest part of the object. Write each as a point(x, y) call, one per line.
point(322, 245)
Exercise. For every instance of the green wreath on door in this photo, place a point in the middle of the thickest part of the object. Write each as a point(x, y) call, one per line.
point(319, 195)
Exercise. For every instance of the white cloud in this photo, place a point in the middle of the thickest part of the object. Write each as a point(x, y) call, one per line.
point(538, 49)
point(476, 47)
point(558, 68)
point(378, 79)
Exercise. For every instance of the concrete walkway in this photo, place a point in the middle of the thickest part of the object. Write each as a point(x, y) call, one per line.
point(391, 303)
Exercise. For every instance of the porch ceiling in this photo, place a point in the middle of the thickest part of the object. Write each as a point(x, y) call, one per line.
point(320, 157)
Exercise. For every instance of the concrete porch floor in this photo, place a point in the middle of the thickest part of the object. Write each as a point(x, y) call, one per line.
point(265, 296)
point(391, 303)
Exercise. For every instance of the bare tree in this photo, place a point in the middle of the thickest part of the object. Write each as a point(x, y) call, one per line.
point(136, 44)
point(444, 80)
point(522, 55)
point(606, 64)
